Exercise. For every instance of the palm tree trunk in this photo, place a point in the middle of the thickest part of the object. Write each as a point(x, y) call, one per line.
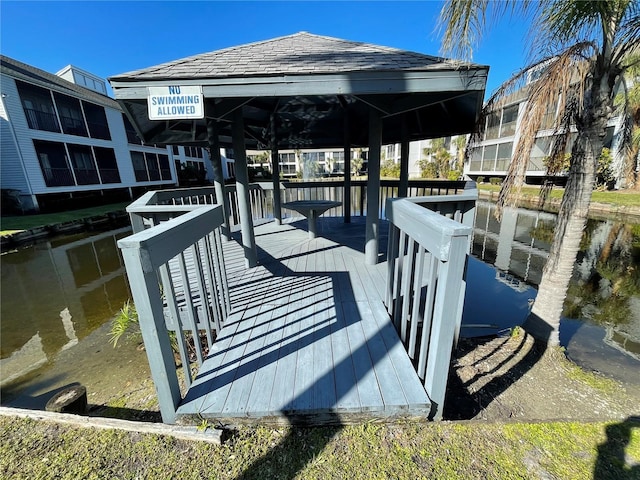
point(544, 321)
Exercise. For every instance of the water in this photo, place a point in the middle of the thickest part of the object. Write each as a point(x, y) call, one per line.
point(58, 296)
point(600, 327)
point(54, 295)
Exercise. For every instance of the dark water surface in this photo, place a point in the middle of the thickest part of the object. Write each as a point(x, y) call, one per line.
point(601, 321)
point(54, 295)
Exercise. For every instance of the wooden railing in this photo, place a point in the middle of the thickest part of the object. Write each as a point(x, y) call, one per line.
point(261, 195)
point(427, 256)
point(179, 284)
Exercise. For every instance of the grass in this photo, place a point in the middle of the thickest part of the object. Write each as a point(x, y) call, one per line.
point(38, 449)
point(624, 199)
point(18, 223)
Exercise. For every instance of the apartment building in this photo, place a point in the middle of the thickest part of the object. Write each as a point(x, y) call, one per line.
point(492, 155)
point(66, 144)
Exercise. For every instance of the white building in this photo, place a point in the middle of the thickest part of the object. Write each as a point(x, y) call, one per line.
point(491, 156)
point(66, 144)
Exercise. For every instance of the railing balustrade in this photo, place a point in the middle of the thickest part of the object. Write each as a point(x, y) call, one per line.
point(178, 282)
point(178, 279)
point(57, 177)
point(426, 263)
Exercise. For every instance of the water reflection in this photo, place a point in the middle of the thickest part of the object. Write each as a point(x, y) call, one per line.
point(604, 291)
point(53, 295)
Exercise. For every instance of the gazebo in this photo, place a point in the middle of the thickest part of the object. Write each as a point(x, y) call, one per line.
point(303, 91)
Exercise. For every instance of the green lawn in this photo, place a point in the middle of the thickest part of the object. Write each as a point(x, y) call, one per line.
point(468, 450)
point(625, 198)
point(18, 223)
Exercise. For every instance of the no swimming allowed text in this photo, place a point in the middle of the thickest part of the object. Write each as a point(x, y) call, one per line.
point(175, 102)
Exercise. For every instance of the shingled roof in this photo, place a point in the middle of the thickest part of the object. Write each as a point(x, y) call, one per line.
point(300, 53)
point(311, 86)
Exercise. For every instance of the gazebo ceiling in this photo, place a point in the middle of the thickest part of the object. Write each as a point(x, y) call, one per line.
point(311, 87)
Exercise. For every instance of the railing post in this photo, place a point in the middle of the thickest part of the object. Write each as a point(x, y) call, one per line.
point(447, 315)
point(145, 290)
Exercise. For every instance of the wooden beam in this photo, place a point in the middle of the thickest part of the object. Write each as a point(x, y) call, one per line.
point(403, 187)
point(373, 188)
point(346, 204)
point(242, 187)
point(218, 176)
point(275, 171)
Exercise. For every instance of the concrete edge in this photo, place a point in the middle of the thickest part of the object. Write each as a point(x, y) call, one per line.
point(209, 435)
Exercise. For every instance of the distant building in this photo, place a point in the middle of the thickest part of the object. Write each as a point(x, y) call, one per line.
point(492, 156)
point(66, 144)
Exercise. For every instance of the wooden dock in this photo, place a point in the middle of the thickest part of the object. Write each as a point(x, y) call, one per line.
point(309, 340)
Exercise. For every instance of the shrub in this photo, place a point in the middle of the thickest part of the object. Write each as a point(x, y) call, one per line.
point(453, 175)
point(480, 179)
point(390, 169)
point(495, 181)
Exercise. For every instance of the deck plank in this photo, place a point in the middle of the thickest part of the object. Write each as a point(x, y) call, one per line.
point(308, 340)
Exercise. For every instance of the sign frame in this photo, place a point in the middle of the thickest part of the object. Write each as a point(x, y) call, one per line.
point(175, 102)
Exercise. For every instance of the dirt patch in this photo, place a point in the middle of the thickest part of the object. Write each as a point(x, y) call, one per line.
point(516, 378)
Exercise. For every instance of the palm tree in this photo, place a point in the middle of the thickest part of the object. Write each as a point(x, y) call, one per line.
point(631, 99)
point(581, 50)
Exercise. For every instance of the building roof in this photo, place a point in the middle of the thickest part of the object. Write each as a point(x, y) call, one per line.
point(300, 53)
point(307, 88)
point(30, 74)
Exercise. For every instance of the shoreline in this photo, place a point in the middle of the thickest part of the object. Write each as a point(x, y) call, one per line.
point(600, 211)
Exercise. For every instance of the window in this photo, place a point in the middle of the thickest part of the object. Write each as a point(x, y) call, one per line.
point(152, 166)
point(84, 167)
point(132, 136)
point(174, 148)
point(493, 126)
point(287, 157)
point(38, 107)
point(165, 171)
point(70, 115)
point(53, 162)
point(107, 165)
point(139, 167)
point(96, 121)
point(475, 162)
point(489, 157)
point(504, 156)
point(193, 152)
point(539, 152)
point(509, 119)
point(549, 117)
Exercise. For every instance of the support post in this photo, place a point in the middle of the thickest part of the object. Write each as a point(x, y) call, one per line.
point(242, 188)
point(346, 204)
point(218, 177)
point(149, 305)
point(403, 187)
point(373, 188)
point(275, 172)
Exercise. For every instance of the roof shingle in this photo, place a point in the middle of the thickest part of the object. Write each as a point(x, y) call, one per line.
point(297, 54)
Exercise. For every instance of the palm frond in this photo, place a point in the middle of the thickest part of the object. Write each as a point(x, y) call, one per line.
point(557, 95)
point(463, 23)
point(627, 39)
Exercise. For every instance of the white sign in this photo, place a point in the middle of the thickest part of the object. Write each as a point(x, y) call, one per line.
point(175, 102)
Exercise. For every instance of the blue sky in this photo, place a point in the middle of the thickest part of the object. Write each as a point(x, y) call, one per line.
point(109, 38)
